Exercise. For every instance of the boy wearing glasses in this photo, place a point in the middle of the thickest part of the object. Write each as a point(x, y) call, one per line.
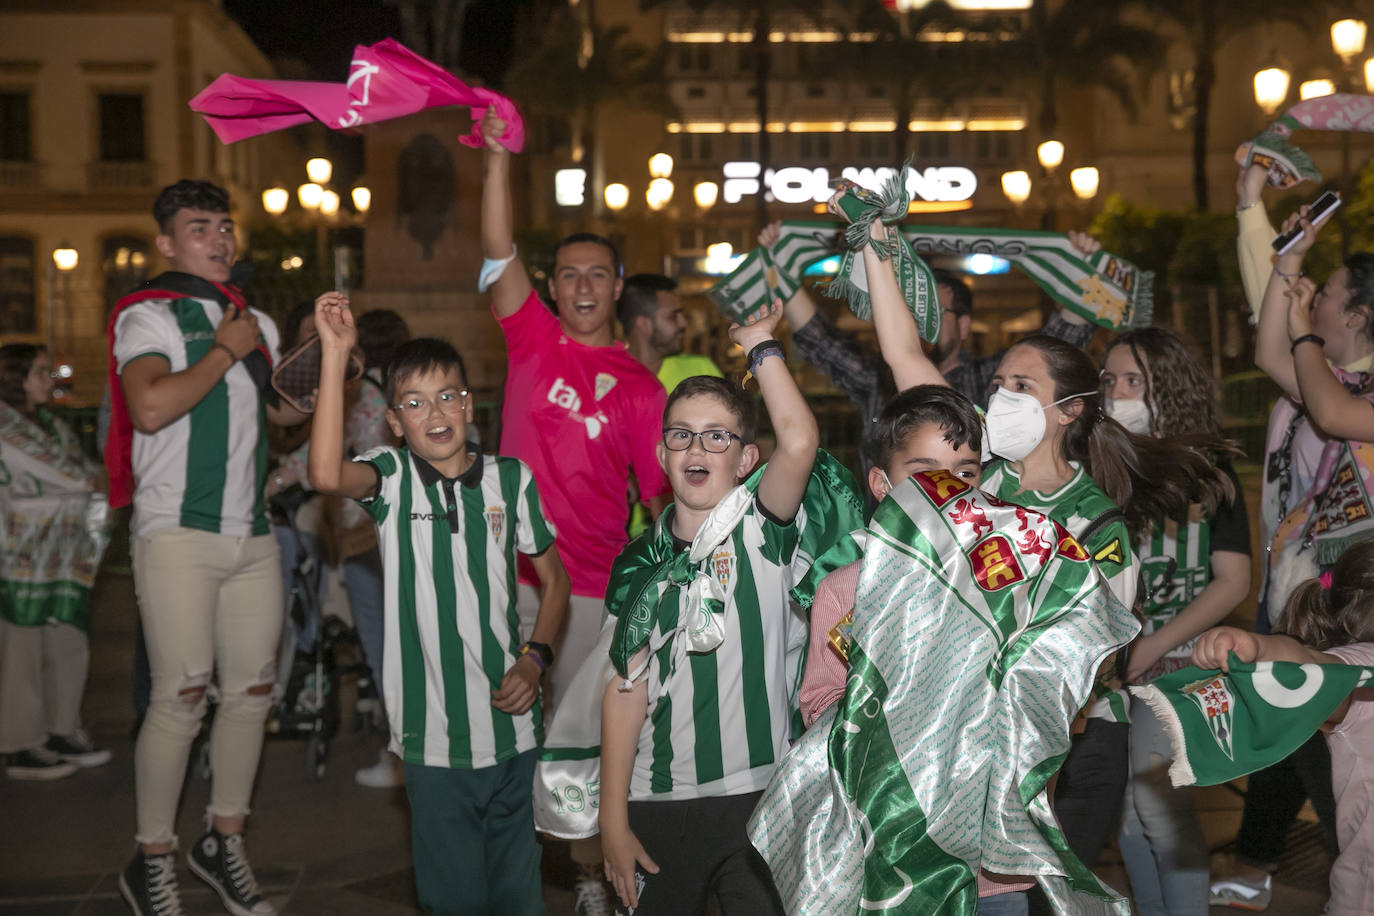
point(461, 689)
point(699, 716)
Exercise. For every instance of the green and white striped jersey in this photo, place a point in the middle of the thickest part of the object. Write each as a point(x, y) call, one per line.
point(448, 560)
point(206, 469)
point(719, 721)
point(1076, 505)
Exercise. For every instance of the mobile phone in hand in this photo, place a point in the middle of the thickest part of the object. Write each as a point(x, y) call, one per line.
point(1318, 213)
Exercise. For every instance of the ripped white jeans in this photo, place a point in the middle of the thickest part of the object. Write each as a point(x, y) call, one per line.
point(211, 606)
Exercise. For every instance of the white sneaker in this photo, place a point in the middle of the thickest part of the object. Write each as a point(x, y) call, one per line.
point(1242, 894)
point(590, 897)
point(386, 773)
point(78, 748)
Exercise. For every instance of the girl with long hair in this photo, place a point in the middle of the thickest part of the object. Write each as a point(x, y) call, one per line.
point(1056, 451)
point(1328, 620)
point(1195, 569)
point(51, 542)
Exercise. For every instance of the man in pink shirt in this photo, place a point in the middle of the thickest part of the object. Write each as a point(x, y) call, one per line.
point(581, 412)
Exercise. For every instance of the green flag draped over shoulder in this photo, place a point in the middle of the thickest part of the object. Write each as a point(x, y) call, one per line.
point(1227, 725)
point(978, 629)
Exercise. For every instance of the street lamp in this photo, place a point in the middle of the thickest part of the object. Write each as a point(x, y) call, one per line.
point(617, 196)
point(64, 260)
point(1084, 182)
point(1271, 88)
point(362, 199)
point(1369, 75)
point(1347, 38)
point(319, 170)
point(329, 203)
point(1017, 186)
point(1315, 89)
point(660, 165)
point(659, 193)
point(310, 195)
point(274, 200)
point(1051, 154)
point(705, 194)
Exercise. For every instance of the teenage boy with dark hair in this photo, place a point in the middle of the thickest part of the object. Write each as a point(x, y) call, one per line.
point(461, 688)
point(191, 395)
point(581, 412)
point(651, 317)
point(689, 742)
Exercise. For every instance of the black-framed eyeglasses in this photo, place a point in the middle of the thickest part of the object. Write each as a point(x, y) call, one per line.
point(679, 439)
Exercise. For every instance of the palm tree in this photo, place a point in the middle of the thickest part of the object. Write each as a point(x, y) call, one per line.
point(433, 28)
point(1206, 26)
point(576, 68)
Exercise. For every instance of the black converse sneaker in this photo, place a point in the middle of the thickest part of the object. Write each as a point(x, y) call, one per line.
point(149, 884)
point(220, 862)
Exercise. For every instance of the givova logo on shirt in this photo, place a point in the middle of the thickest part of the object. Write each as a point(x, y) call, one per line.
point(566, 396)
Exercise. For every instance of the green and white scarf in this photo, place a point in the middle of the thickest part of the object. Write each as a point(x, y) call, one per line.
point(1224, 726)
point(567, 778)
point(751, 286)
point(54, 533)
point(978, 629)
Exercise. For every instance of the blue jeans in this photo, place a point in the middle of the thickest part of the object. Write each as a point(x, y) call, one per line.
point(1015, 903)
point(1162, 844)
point(363, 580)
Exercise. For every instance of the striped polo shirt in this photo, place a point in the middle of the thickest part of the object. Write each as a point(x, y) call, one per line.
point(448, 556)
point(206, 469)
point(720, 721)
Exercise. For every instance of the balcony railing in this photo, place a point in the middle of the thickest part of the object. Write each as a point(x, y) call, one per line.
point(19, 176)
point(120, 176)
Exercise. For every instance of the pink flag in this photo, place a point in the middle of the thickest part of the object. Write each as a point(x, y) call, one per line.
point(385, 80)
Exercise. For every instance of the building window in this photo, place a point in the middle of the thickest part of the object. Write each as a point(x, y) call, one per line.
point(125, 265)
point(746, 147)
point(14, 127)
point(696, 92)
point(933, 146)
point(121, 127)
point(17, 312)
point(815, 91)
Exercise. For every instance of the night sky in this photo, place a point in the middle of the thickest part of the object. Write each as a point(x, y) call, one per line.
point(322, 33)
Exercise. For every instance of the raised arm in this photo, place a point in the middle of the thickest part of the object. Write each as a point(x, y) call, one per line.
point(1333, 409)
point(512, 287)
point(157, 396)
point(784, 478)
point(1272, 344)
point(330, 471)
point(1253, 235)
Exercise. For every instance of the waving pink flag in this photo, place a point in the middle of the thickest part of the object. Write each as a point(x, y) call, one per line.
point(385, 80)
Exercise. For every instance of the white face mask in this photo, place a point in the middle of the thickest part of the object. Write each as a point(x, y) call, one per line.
point(1016, 422)
point(1135, 415)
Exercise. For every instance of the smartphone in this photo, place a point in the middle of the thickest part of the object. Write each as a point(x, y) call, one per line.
point(1318, 213)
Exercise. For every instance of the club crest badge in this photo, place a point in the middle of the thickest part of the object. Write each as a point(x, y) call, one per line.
point(1215, 701)
point(496, 520)
point(604, 383)
point(723, 565)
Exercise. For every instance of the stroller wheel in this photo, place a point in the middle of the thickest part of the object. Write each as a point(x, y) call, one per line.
point(316, 752)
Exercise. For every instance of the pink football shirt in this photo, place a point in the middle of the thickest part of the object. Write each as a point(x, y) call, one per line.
point(583, 418)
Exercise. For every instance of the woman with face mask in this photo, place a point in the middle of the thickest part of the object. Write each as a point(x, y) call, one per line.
point(1195, 569)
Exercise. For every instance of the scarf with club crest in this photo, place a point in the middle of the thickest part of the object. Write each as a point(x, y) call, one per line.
point(1287, 164)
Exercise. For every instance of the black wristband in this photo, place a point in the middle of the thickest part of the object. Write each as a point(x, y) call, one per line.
point(1319, 341)
point(541, 652)
point(760, 347)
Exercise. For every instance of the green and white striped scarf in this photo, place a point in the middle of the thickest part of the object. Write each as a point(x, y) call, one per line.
point(54, 532)
point(1224, 726)
point(978, 629)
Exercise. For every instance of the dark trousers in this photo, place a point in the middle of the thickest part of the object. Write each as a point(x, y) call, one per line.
point(700, 846)
point(472, 833)
point(1274, 796)
point(1091, 786)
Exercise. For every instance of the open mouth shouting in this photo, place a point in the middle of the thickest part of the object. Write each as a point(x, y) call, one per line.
point(585, 307)
point(696, 474)
point(439, 434)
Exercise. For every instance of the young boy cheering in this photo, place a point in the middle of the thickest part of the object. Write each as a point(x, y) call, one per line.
point(699, 717)
point(461, 689)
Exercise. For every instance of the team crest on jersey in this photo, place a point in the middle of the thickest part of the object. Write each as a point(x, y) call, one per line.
point(723, 565)
point(604, 383)
point(496, 520)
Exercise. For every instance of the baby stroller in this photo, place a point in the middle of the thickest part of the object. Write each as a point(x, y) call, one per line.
point(307, 695)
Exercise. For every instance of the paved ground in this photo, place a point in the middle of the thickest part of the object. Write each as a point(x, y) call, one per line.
point(325, 847)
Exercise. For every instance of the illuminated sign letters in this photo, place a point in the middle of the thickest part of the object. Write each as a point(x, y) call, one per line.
point(801, 185)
